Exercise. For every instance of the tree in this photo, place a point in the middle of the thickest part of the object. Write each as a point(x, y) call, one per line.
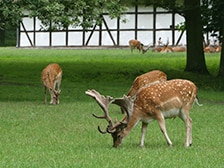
point(59, 14)
point(10, 15)
point(195, 53)
point(213, 18)
point(190, 10)
point(221, 66)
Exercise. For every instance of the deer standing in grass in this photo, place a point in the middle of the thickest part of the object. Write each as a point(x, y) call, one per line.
point(51, 78)
point(146, 79)
point(136, 44)
point(173, 98)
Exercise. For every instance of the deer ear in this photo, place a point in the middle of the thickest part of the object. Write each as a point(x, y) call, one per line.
point(121, 126)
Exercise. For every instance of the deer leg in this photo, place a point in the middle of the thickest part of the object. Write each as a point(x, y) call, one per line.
point(58, 84)
point(188, 132)
point(52, 96)
point(131, 49)
point(188, 125)
point(55, 85)
point(45, 90)
point(162, 125)
point(144, 128)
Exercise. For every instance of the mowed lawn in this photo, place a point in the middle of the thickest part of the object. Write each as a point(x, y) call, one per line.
point(36, 135)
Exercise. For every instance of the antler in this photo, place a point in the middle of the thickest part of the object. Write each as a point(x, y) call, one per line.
point(126, 103)
point(103, 103)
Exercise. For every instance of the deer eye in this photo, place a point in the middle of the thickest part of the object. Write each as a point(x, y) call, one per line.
point(119, 135)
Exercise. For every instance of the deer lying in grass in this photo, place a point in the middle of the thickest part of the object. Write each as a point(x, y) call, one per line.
point(179, 49)
point(162, 49)
point(173, 98)
point(51, 78)
point(218, 49)
point(166, 49)
point(209, 49)
point(146, 79)
point(136, 44)
point(157, 49)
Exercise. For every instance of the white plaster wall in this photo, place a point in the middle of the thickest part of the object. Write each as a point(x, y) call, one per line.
point(75, 38)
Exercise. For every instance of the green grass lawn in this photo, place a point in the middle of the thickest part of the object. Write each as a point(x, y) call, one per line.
point(36, 135)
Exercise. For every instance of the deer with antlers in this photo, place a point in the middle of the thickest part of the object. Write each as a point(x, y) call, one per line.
point(166, 48)
point(51, 78)
point(173, 98)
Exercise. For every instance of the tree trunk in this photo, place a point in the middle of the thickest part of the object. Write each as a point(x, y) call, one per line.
point(221, 65)
point(195, 53)
point(2, 37)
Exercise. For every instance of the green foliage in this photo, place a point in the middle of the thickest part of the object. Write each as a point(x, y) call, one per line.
point(213, 15)
point(61, 14)
point(65, 135)
point(10, 14)
point(58, 14)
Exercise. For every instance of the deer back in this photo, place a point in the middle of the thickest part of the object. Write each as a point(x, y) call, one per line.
point(135, 43)
point(218, 49)
point(179, 49)
point(166, 49)
point(51, 74)
point(146, 79)
point(166, 96)
point(209, 49)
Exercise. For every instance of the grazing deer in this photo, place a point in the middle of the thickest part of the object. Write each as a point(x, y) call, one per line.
point(51, 78)
point(146, 79)
point(136, 44)
point(170, 99)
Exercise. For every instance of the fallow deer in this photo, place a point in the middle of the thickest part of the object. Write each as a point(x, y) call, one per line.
point(146, 79)
point(209, 49)
point(179, 49)
point(158, 47)
point(160, 101)
point(218, 49)
point(136, 44)
point(51, 78)
point(166, 49)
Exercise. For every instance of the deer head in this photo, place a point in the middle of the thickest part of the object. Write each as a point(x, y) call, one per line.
point(126, 104)
point(169, 99)
point(55, 94)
